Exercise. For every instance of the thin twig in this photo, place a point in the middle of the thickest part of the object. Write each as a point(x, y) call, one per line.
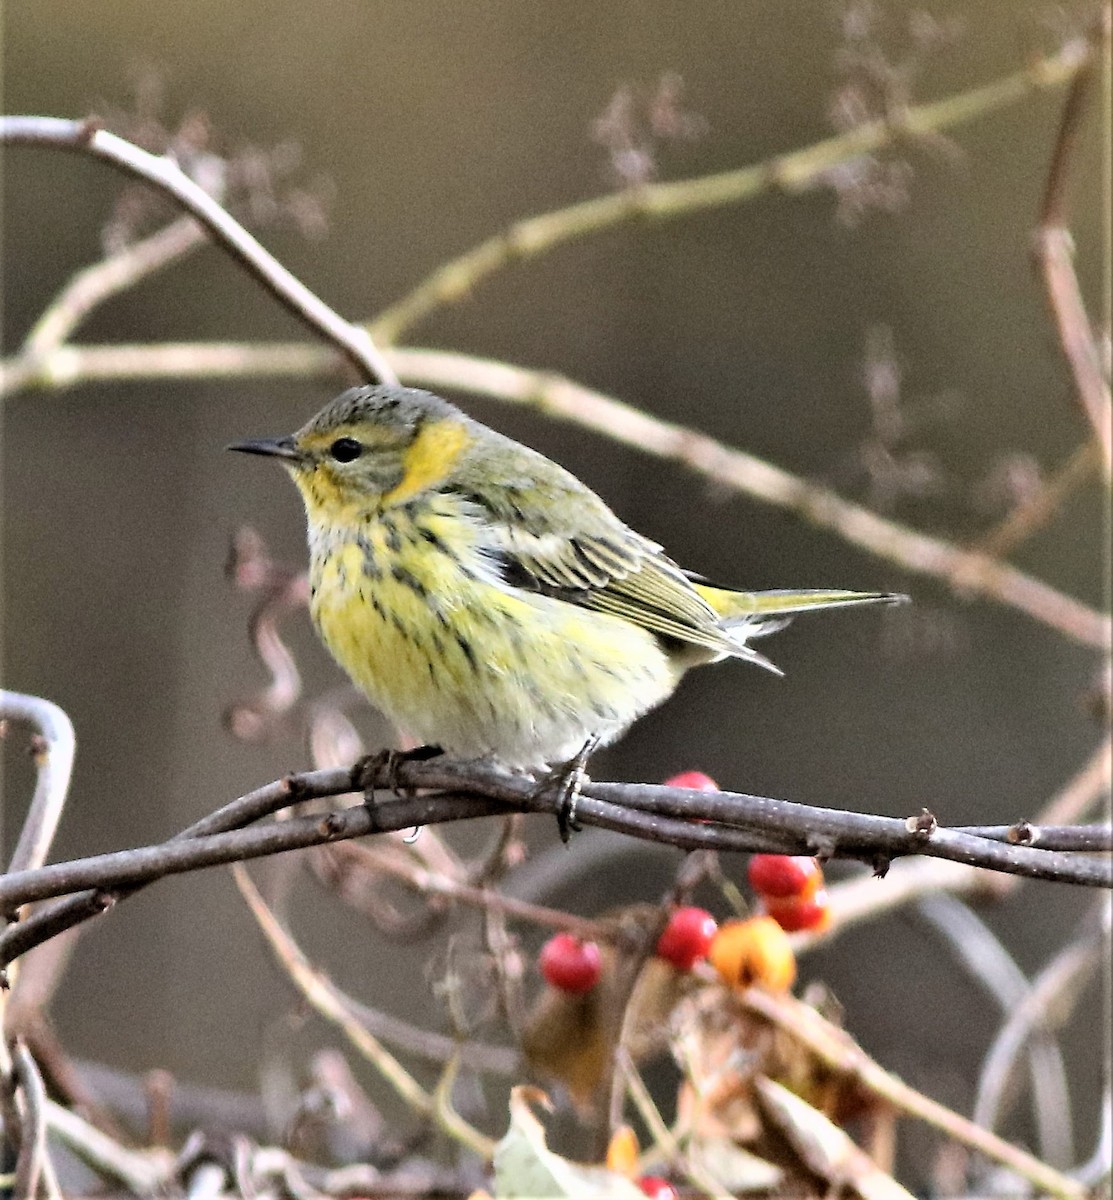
point(33, 1162)
point(835, 1048)
point(85, 137)
point(96, 283)
point(143, 1173)
point(433, 1047)
point(966, 571)
point(663, 1137)
point(325, 1000)
point(1035, 511)
point(690, 873)
point(792, 172)
point(351, 856)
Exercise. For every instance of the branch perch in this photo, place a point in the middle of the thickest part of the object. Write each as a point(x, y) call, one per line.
point(466, 790)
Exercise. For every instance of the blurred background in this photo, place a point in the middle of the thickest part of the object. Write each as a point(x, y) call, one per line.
point(885, 336)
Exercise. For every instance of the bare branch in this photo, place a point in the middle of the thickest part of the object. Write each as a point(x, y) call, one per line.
point(1034, 512)
point(143, 1174)
point(968, 571)
point(94, 284)
point(33, 1166)
point(793, 172)
point(161, 172)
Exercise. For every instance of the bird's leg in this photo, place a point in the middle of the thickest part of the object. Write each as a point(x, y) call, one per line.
point(368, 768)
point(565, 780)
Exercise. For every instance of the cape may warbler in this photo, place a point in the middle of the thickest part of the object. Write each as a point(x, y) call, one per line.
point(483, 598)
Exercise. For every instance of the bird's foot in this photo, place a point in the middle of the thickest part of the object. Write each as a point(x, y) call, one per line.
point(387, 763)
point(565, 781)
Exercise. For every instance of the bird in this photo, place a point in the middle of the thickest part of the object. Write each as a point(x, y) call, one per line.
point(487, 601)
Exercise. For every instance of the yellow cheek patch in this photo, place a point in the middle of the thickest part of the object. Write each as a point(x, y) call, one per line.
point(430, 457)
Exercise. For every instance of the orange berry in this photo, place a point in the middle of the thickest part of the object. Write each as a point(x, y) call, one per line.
point(754, 951)
point(622, 1152)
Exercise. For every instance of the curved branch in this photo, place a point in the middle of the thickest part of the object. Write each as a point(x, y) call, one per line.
point(1046, 1007)
point(53, 751)
point(86, 137)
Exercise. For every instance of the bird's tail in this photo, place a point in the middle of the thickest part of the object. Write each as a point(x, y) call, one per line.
point(734, 605)
point(747, 615)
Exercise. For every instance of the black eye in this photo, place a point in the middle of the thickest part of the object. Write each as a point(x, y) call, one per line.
point(345, 449)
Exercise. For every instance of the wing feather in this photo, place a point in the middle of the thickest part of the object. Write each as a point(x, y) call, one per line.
point(599, 563)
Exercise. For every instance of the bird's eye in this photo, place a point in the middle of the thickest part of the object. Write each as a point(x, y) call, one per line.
point(345, 449)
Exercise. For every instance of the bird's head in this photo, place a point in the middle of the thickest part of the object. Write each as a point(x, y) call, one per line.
point(370, 448)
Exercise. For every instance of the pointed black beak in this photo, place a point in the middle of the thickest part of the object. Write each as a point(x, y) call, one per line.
point(280, 447)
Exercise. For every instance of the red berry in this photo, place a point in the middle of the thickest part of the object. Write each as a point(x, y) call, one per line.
point(570, 964)
point(794, 913)
point(657, 1188)
point(686, 937)
point(696, 780)
point(783, 875)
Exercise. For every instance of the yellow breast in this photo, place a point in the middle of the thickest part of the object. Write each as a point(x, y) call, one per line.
point(422, 622)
